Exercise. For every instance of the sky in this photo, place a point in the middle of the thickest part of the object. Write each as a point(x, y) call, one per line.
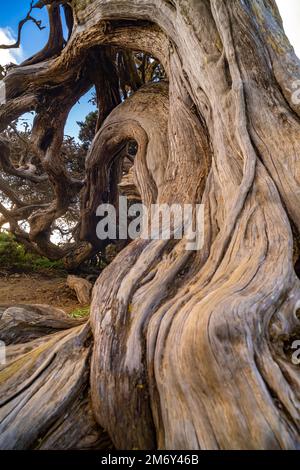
point(33, 40)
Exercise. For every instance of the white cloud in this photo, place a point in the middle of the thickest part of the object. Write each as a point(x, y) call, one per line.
point(290, 12)
point(9, 55)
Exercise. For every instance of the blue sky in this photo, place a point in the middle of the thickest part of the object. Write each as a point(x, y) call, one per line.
point(33, 40)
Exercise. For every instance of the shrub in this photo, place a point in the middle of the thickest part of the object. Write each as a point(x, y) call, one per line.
point(13, 257)
point(81, 312)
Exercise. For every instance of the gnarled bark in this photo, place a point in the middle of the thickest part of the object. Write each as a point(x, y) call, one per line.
point(45, 398)
point(190, 348)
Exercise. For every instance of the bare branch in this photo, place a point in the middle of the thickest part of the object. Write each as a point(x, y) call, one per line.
point(56, 37)
point(27, 18)
point(10, 193)
point(20, 214)
point(10, 169)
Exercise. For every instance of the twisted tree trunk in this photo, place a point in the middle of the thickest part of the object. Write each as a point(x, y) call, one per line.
point(190, 349)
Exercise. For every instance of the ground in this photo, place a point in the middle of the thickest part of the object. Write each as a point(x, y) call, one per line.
point(38, 289)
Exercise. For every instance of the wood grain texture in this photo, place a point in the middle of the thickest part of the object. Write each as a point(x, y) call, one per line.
point(191, 349)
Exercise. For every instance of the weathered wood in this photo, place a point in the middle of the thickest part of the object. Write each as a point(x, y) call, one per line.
point(44, 386)
point(82, 287)
point(23, 323)
point(190, 348)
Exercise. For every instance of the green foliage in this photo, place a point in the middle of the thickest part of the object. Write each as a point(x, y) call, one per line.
point(81, 312)
point(88, 129)
point(13, 257)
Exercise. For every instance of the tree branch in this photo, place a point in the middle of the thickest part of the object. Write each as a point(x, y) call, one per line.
point(9, 168)
point(56, 38)
point(10, 193)
point(27, 18)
